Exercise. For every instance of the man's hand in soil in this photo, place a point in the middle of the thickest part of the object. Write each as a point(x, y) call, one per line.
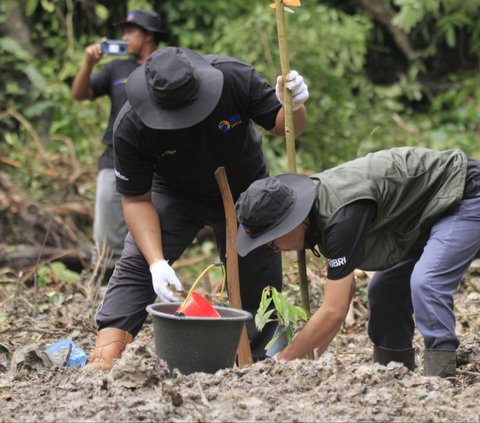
point(162, 276)
point(295, 84)
point(322, 327)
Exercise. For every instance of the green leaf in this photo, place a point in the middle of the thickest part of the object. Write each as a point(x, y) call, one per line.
point(63, 273)
point(37, 108)
point(293, 313)
point(101, 11)
point(262, 319)
point(282, 307)
point(302, 313)
point(408, 17)
point(272, 342)
point(55, 271)
point(450, 37)
point(37, 80)
point(12, 46)
point(30, 7)
point(43, 276)
point(277, 300)
point(265, 300)
point(48, 6)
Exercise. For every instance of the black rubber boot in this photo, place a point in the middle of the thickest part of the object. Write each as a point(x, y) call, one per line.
point(385, 356)
point(442, 363)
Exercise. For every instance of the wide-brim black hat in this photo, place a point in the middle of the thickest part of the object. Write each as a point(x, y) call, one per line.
point(271, 208)
point(146, 19)
point(175, 88)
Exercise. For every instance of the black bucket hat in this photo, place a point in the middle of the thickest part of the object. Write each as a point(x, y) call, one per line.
point(271, 208)
point(175, 88)
point(146, 19)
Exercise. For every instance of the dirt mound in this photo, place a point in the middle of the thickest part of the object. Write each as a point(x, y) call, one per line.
point(343, 385)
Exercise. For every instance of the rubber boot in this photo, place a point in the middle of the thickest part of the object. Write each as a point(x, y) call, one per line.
point(441, 363)
point(109, 345)
point(385, 356)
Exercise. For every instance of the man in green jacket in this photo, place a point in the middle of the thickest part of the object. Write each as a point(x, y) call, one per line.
point(412, 215)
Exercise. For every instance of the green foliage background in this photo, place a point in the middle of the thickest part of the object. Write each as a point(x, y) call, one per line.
point(430, 99)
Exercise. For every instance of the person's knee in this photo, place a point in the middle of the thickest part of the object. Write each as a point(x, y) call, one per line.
point(376, 293)
point(419, 286)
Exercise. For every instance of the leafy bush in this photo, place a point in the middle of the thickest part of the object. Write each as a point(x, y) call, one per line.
point(348, 114)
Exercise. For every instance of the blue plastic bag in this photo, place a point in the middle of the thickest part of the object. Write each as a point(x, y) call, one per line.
point(65, 352)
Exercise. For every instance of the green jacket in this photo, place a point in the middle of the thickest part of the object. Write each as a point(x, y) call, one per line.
point(412, 188)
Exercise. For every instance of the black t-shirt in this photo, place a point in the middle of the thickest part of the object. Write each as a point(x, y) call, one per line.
point(344, 238)
point(183, 161)
point(110, 80)
point(346, 231)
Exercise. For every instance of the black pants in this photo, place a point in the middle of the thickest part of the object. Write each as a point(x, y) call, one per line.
point(391, 324)
point(130, 288)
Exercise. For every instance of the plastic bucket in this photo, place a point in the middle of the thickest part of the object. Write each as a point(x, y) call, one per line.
point(198, 306)
point(197, 344)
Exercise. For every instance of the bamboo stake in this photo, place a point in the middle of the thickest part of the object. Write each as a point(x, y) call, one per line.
point(290, 139)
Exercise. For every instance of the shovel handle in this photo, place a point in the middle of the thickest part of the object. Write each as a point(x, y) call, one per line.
point(244, 352)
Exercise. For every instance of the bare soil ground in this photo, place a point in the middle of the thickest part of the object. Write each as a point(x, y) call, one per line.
point(342, 385)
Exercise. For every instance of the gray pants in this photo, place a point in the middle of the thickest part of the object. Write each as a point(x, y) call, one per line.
point(108, 225)
point(130, 289)
point(419, 290)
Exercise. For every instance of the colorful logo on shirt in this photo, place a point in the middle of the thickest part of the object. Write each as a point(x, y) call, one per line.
point(229, 123)
point(119, 81)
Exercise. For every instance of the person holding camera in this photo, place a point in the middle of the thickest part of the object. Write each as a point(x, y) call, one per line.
point(142, 32)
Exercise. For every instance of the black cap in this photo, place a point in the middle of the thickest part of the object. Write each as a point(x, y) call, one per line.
point(271, 208)
point(146, 19)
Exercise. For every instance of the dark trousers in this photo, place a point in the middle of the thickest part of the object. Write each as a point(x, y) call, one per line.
point(422, 286)
point(130, 289)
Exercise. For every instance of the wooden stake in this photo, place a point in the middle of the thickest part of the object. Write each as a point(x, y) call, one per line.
point(233, 283)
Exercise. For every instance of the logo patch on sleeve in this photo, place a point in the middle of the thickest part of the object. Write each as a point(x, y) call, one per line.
point(120, 176)
point(337, 262)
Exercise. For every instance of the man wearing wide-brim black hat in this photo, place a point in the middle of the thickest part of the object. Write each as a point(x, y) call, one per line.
point(186, 115)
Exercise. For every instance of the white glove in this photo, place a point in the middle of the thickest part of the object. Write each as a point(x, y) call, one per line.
point(296, 85)
point(162, 276)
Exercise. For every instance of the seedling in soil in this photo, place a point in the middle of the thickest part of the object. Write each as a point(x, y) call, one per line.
point(286, 314)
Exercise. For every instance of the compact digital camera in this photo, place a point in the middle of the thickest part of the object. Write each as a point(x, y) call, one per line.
point(114, 48)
